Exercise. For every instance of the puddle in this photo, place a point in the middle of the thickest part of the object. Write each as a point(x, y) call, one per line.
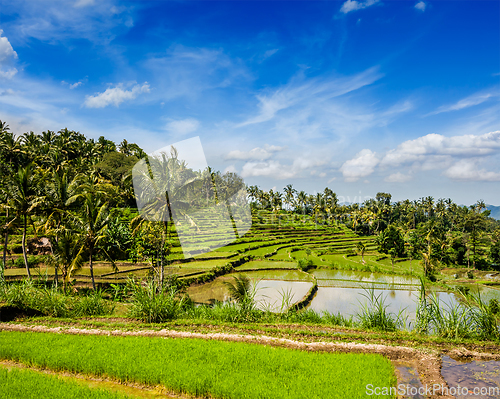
point(408, 376)
point(481, 378)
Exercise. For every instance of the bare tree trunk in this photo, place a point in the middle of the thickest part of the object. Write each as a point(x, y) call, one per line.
point(4, 260)
point(24, 248)
point(162, 269)
point(91, 269)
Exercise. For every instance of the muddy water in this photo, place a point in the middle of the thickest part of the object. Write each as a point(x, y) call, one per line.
point(481, 378)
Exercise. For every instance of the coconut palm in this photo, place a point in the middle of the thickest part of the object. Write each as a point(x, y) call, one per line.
point(24, 199)
point(92, 219)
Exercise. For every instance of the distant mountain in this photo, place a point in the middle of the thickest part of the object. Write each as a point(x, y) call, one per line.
point(495, 211)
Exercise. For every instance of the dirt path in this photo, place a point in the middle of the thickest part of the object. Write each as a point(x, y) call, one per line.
point(427, 363)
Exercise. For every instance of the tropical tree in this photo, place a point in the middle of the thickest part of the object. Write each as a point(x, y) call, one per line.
point(361, 248)
point(24, 199)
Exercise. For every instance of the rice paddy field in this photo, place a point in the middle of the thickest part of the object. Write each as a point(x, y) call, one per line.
point(309, 282)
point(197, 367)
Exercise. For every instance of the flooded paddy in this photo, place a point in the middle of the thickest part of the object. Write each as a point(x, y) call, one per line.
point(271, 286)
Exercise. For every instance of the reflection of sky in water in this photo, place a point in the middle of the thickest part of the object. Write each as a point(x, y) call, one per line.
point(270, 292)
point(327, 274)
point(486, 293)
point(348, 301)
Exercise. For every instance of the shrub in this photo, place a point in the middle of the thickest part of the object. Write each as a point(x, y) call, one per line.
point(154, 304)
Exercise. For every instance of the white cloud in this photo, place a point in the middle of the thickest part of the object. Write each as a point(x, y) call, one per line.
point(363, 164)
point(474, 99)
point(115, 96)
point(84, 3)
point(230, 169)
point(7, 57)
point(8, 74)
point(257, 154)
point(272, 169)
point(421, 6)
point(467, 169)
point(75, 85)
point(276, 170)
point(397, 178)
point(6, 51)
point(57, 21)
point(353, 5)
point(435, 147)
point(183, 126)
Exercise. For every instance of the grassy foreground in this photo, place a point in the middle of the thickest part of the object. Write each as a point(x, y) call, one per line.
point(27, 384)
point(199, 367)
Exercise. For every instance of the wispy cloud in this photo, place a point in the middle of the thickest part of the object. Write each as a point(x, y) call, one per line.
point(115, 96)
point(470, 101)
point(301, 91)
point(182, 127)
point(353, 5)
point(59, 21)
point(421, 6)
point(256, 154)
point(277, 170)
point(188, 72)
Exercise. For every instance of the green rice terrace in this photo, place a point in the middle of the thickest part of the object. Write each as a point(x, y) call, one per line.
point(301, 297)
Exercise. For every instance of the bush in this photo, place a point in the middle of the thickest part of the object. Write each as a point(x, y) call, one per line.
point(305, 264)
point(92, 305)
point(154, 304)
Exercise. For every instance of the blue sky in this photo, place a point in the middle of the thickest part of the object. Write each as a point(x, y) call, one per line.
point(359, 96)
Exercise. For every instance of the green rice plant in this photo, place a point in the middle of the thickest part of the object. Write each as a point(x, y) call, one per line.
point(28, 384)
point(152, 303)
point(204, 368)
point(374, 315)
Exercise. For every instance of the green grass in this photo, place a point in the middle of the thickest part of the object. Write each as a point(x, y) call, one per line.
point(198, 367)
point(27, 384)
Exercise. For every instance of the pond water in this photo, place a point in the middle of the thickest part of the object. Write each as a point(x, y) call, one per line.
point(482, 376)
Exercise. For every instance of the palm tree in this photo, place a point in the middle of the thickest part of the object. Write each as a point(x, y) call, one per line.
point(24, 198)
point(361, 248)
point(92, 219)
point(289, 195)
point(241, 291)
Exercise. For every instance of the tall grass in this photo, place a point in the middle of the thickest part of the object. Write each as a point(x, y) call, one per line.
point(469, 318)
point(374, 315)
point(153, 303)
point(28, 296)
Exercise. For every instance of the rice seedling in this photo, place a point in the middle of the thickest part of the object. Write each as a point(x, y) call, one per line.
point(27, 384)
point(205, 367)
